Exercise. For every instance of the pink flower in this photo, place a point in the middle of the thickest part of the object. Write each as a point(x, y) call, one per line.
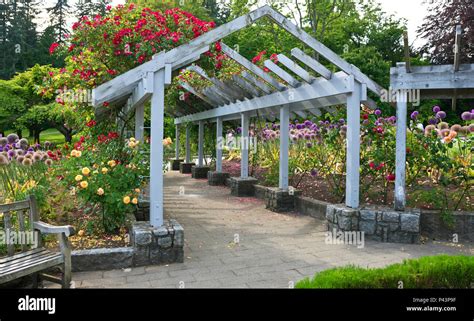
point(390, 177)
point(53, 47)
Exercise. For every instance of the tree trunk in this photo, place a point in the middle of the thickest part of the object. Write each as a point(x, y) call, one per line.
point(37, 136)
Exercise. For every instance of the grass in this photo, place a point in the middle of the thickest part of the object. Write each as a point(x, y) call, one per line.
point(441, 271)
point(51, 135)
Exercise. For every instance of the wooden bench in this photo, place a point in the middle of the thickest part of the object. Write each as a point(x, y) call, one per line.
point(21, 221)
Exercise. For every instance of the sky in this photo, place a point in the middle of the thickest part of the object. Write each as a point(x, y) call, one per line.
point(412, 10)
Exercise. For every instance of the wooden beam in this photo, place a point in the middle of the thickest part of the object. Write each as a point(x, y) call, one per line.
point(188, 144)
point(353, 147)
point(457, 48)
point(139, 122)
point(246, 86)
point(201, 144)
point(220, 145)
point(176, 141)
point(188, 87)
point(400, 156)
point(432, 77)
point(244, 145)
point(294, 67)
point(324, 51)
point(406, 47)
point(260, 84)
point(284, 147)
point(340, 83)
point(156, 151)
point(282, 74)
point(250, 66)
point(311, 63)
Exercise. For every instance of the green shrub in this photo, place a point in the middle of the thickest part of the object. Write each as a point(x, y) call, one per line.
point(442, 271)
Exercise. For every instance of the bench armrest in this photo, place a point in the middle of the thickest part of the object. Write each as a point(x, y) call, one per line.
point(46, 228)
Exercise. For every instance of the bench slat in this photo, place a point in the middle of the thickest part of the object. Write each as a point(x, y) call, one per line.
point(7, 259)
point(25, 261)
point(21, 205)
point(33, 268)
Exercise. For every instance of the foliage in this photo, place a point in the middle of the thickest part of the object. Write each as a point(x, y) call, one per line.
point(441, 271)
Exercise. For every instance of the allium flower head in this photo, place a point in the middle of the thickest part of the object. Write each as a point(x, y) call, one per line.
point(3, 141)
point(314, 172)
point(12, 138)
point(466, 116)
point(443, 125)
point(456, 127)
point(436, 109)
point(441, 114)
point(414, 115)
point(378, 112)
point(27, 162)
point(3, 160)
point(48, 162)
point(432, 121)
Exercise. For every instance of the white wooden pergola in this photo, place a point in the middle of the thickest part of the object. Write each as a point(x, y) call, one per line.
point(251, 93)
point(433, 82)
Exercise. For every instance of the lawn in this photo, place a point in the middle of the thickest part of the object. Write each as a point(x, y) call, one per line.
point(51, 135)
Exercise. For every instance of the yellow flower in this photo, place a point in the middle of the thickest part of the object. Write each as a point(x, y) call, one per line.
point(105, 170)
point(78, 178)
point(86, 171)
point(111, 163)
point(167, 141)
point(126, 199)
point(137, 190)
point(100, 191)
point(76, 153)
point(81, 233)
point(135, 201)
point(132, 139)
point(84, 184)
point(95, 166)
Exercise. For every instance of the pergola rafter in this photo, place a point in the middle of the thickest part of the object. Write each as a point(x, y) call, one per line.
point(293, 91)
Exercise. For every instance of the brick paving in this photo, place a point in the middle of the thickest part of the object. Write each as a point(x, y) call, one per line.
point(233, 242)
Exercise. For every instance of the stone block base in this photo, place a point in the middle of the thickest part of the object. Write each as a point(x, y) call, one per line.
point(175, 164)
point(379, 224)
point(157, 245)
point(242, 186)
point(217, 178)
point(199, 171)
point(185, 168)
point(279, 200)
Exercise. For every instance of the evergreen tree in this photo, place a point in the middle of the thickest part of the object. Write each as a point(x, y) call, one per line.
point(58, 19)
point(90, 8)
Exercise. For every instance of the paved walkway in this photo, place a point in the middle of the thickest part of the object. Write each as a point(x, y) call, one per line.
point(235, 242)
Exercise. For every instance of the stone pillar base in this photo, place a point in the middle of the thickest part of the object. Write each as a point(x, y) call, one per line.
point(157, 245)
point(175, 164)
point(242, 186)
point(280, 200)
point(199, 171)
point(185, 168)
point(217, 178)
point(379, 224)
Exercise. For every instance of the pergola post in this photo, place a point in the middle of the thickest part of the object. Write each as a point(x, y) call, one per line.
point(244, 146)
point(284, 144)
point(177, 141)
point(353, 146)
point(400, 156)
point(139, 122)
point(156, 152)
point(201, 144)
point(220, 144)
point(188, 146)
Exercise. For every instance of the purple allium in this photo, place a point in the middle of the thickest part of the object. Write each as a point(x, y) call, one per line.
point(441, 114)
point(299, 126)
point(365, 122)
point(432, 121)
point(378, 112)
point(308, 123)
point(342, 120)
point(31, 149)
point(12, 138)
point(314, 172)
point(11, 153)
point(414, 115)
point(466, 115)
point(238, 130)
point(1, 148)
point(436, 109)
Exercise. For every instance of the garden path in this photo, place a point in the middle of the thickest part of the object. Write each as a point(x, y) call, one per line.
point(273, 250)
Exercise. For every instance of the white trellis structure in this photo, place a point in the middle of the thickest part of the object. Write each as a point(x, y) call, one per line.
point(433, 82)
point(249, 94)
